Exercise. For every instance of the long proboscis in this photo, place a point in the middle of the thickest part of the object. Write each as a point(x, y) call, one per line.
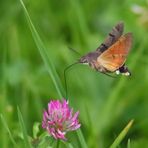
point(65, 80)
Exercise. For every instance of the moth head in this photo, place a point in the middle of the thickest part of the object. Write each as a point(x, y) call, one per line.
point(83, 60)
point(88, 58)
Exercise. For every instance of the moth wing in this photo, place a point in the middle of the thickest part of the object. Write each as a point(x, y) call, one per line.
point(112, 37)
point(115, 56)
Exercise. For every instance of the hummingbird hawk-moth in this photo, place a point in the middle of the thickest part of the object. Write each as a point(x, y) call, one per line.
point(111, 55)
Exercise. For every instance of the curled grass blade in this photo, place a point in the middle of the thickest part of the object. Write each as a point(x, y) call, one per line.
point(43, 52)
point(36, 129)
point(122, 135)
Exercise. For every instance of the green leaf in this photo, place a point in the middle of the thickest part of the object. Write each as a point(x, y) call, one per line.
point(8, 130)
point(43, 52)
point(36, 129)
point(122, 135)
point(45, 140)
point(24, 131)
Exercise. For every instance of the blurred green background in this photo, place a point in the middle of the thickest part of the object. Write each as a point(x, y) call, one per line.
point(106, 105)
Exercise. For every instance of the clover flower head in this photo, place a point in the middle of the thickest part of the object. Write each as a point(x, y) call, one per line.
point(59, 119)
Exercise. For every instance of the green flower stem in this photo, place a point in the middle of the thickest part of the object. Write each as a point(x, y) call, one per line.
point(58, 143)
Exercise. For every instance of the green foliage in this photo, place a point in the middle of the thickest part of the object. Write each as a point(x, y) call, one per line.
point(32, 65)
point(122, 135)
point(23, 129)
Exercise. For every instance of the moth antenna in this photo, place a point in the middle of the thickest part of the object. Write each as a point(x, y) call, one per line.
point(75, 51)
point(65, 80)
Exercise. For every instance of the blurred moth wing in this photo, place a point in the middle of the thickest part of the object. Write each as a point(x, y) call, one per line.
point(115, 56)
point(112, 37)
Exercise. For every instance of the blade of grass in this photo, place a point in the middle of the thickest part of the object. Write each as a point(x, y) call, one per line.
point(22, 125)
point(122, 135)
point(8, 130)
point(81, 138)
point(129, 143)
point(44, 55)
point(43, 52)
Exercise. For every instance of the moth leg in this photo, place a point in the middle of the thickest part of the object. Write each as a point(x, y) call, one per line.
point(108, 75)
point(93, 65)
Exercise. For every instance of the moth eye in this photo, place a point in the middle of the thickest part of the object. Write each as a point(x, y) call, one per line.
point(83, 60)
